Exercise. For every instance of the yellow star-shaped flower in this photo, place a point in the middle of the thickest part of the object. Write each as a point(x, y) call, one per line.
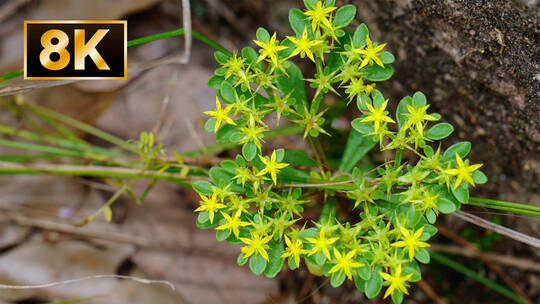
point(303, 45)
point(371, 53)
point(396, 281)
point(321, 244)
point(234, 65)
point(463, 171)
point(270, 49)
point(233, 223)
point(211, 205)
point(410, 241)
point(257, 244)
point(294, 250)
point(252, 132)
point(221, 115)
point(417, 117)
point(319, 15)
point(377, 115)
point(271, 166)
point(345, 263)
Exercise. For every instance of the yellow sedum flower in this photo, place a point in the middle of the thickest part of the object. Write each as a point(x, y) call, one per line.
point(270, 49)
point(377, 115)
point(257, 244)
point(396, 281)
point(234, 65)
point(321, 244)
point(221, 115)
point(463, 171)
point(233, 223)
point(294, 250)
point(319, 15)
point(210, 205)
point(410, 241)
point(252, 132)
point(271, 166)
point(304, 45)
point(345, 263)
point(417, 117)
point(371, 53)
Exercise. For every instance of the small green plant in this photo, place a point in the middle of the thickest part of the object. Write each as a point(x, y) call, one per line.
point(261, 201)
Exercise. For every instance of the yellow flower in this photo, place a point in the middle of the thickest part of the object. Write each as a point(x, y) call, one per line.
point(211, 205)
point(321, 244)
point(252, 133)
point(463, 171)
point(345, 263)
point(371, 53)
point(271, 166)
point(410, 241)
point(294, 250)
point(257, 244)
point(417, 116)
point(397, 281)
point(233, 223)
point(270, 49)
point(319, 15)
point(221, 115)
point(377, 115)
point(234, 65)
point(303, 45)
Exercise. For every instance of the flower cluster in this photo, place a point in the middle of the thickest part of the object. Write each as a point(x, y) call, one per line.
point(260, 201)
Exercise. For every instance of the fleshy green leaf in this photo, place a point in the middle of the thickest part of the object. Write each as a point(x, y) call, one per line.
point(422, 255)
point(294, 82)
point(262, 34)
point(374, 72)
point(387, 57)
point(257, 264)
point(419, 100)
point(337, 279)
point(358, 145)
point(344, 15)
point(373, 285)
point(276, 261)
point(461, 148)
point(298, 157)
point(479, 177)
point(360, 35)
point(446, 205)
point(227, 92)
point(461, 193)
point(202, 187)
point(249, 150)
point(402, 110)
point(298, 21)
point(440, 131)
point(221, 57)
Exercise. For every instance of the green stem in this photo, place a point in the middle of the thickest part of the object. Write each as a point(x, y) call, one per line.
point(495, 203)
point(510, 209)
point(319, 153)
point(476, 276)
point(146, 39)
point(399, 155)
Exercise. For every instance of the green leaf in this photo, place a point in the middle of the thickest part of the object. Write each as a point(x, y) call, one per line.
point(241, 260)
point(227, 92)
point(251, 56)
point(479, 177)
point(209, 125)
point(337, 279)
point(414, 268)
point(431, 216)
point(358, 145)
point(461, 148)
point(262, 34)
point(397, 297)
point(249, 150)
point(419, 100)
point(280, 153)
point(373, 285)
point(225, 132)
point(374, 72)
point(344, 15)
point(402, 110)
point(202, 187)
point(215, 82)
point(276, 261)
point(422, 255)
point(298, 157)
point(461, 193)
point(365, 271)
point(387, 57)
point(294, 83)
point(378, 98)
point(362, 127)
point(359, 283)
point(446, 205)
point(221, 57)
point(310, 4)
point(257, 264)
point(220, 176)
point(298, 21)
point(440, 131)
point(360, 35)
point(203, 221)
point(222, 235)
